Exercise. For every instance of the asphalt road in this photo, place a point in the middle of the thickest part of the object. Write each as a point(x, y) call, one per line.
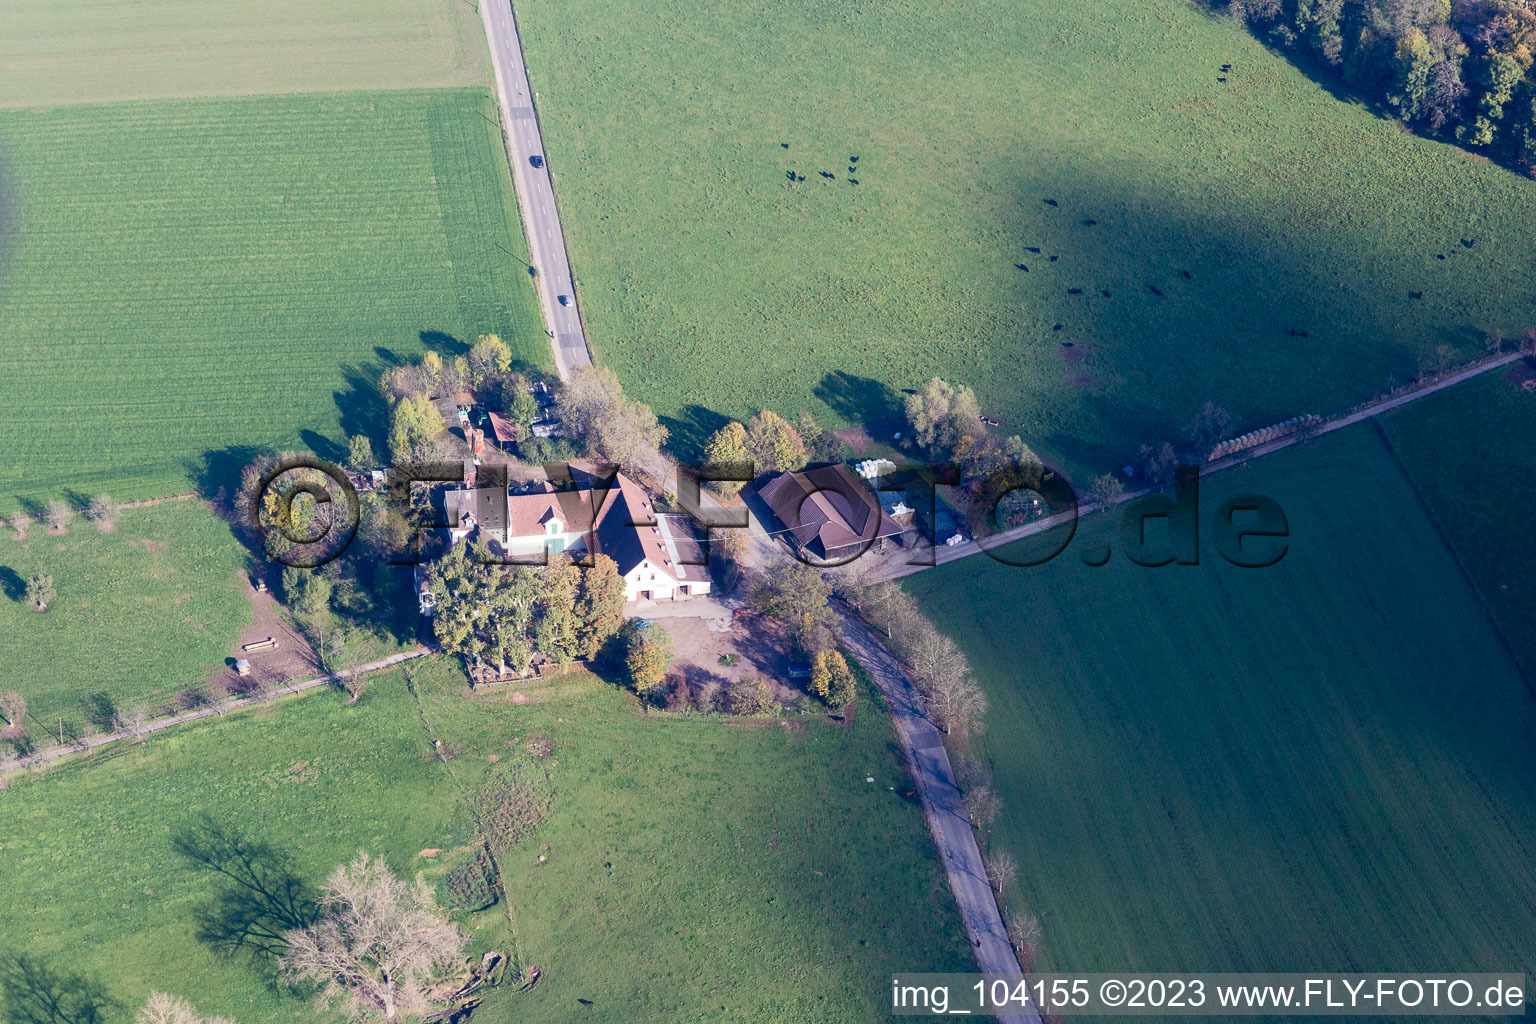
point(941, 802)
point(535, 191)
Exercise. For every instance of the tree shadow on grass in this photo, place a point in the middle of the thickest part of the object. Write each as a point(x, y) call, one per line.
point(11, 583)
point(36, 993)
point(690, 430)
point(861, 400)
point(262, 897)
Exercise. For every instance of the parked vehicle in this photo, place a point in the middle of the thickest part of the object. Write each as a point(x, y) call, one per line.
point(536, 160)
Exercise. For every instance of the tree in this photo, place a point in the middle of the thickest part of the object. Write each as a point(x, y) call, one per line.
point(413, 421)
point(593, 406)
point(796, 594)
point(167, 1009)
point(1024, 933)
point(58, 514)
point(103, 512)
point(308, 592)
point(820, 445)
point(133, 718)
point(1411, 70)
point(1002, 869)
point(1493, 340)
point(941, 415)
point(981, 805)
point(360, 454)
point(379, 944)
point(557, 631)
point(600, 605)
point(1211, 424)
point(750, 696)
point(488, 357)
point(431, 372)
point(403, 381)
point(40, 591)
point(729, 446)
point(1444, 97)
point(13, 708)
point(1528, 341)
point(648, 652)
point(519, 406)
point(1105, 489)
point(832, 680)
point(1157, 463)
point(777, 445)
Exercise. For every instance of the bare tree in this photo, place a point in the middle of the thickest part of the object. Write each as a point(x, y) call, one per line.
point(103, 512)
point(1211, 424)
point(58, 514)
point(1024, 933)
point(981, 805)
point(1002, 870)
point(167, 1009)
point(40, 591)
point(1493, 340)
point(379, 945)
point(133, 718)
point(958, 705)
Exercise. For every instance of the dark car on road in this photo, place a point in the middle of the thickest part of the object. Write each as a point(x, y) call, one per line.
point(536, 160)
point(565, 300)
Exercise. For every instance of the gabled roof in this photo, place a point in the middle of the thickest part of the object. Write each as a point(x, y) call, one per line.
point(487, 504)
point(828, 510)
point(502, 428)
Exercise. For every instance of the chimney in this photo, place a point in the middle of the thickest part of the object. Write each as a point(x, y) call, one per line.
point(469, 473)
point(477, 443)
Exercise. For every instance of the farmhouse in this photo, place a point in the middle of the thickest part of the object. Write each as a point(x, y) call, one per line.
point(613, 518)
point(828, 512)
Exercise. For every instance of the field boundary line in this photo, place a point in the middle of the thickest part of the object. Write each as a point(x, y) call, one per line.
point(221, 708)
point(1427, 507)
point(1360, 413)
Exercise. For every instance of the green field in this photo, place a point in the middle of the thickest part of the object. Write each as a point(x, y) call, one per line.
point(695, 871)
point(1290, 209)
point(141, 614)
point(1471, 450)
point(90, 51)
point(187, 278)
point(1321, 765)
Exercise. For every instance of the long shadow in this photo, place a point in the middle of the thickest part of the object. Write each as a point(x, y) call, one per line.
point(445, 343)
point(323, 446)
point(217, 473)
point(262, 898)
point(861, 400)
point(690, 431)
point(360, 404)
point(36, 993)
point(11, 583)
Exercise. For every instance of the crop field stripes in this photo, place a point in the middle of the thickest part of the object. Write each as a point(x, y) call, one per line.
point(187, 277)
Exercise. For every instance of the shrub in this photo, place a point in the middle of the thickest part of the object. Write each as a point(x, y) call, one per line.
point(750, 696)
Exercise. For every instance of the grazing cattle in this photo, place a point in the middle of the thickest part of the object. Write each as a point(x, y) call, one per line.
point(1220, 79)
point(1089, 223)
point(1105, 293)
point(1074, 291)
point(800, 177)
point(1468, 243)
point(1050, 202)
point(1068, 344)
point(853, 181)
point(1415, 295)
point(1057, 327)
point(1155, 290)
point(1032, 248)
point(790, 175)
point(1022, 267)
point(853, 159)
point(1055, 258)
point(827, 174)
point(851, 168)
point(784, 144)
point(1439, 255)
point(1184, 274)
point(1302, 333)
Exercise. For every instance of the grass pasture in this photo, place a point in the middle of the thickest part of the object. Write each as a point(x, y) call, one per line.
point(1321, 765)
point(1291, 210)
point(192, 278)
point(94, 51)
point(142, 612)
point(1471, 451)
point(695, 871)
